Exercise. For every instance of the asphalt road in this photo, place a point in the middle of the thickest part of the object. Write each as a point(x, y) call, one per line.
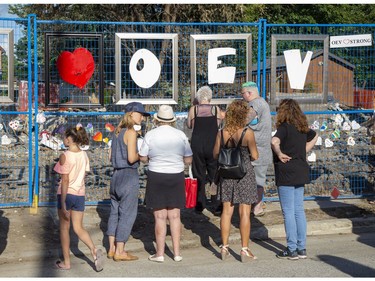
point(347, 255)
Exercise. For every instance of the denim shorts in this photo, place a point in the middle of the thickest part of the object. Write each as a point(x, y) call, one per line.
point(73, 202)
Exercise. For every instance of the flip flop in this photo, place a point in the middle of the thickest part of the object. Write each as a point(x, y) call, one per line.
point(99, 261)
point(59, 266)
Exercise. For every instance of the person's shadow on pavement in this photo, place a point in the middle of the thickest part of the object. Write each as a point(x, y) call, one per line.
point(201, 225)
point(258, 233)
point(4, 229)
point(103, 211)
point(51, 235)
point(143, 229)
point(74, 240)
point(353, 269)
point(357, 213)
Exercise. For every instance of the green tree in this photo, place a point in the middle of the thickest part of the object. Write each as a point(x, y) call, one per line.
point(310, 13)
point(132, 12)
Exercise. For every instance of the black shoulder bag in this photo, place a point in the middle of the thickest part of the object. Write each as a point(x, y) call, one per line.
point(230, 163)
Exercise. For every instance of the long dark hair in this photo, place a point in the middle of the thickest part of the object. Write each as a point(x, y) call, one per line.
point(290, 112)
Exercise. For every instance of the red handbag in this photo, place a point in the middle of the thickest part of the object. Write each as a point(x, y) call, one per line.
point(191, 188)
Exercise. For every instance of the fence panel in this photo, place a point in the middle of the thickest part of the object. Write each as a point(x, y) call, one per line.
point(337, 97)
point(94, 105)
point(16, 160)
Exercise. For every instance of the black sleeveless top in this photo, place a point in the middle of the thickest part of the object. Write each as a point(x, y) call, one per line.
point(205, 128)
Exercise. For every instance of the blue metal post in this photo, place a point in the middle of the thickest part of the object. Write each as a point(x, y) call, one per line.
point(36, 128)
point(30, 107)
point(259, 50)
point(264, 70)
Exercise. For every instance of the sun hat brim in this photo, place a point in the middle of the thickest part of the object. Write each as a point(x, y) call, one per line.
point(165, 120)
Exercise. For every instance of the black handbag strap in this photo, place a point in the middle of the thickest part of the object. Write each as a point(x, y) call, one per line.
point(239, 142)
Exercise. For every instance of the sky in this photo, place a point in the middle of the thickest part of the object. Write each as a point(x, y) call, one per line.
point(4, 11)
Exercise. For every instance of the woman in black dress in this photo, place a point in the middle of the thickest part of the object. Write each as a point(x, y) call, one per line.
point(204, 118)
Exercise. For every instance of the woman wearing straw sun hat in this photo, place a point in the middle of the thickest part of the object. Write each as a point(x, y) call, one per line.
point(167, 151)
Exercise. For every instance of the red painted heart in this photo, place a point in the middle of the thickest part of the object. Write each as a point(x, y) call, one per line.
point(76, 68)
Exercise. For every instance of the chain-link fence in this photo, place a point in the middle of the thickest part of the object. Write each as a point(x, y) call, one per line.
point(165, 63)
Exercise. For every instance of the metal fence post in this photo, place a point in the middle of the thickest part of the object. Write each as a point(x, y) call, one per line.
point(35, 201)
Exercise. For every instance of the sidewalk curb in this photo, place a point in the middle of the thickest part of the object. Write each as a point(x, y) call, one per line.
point(314, 228)
point(26, 235)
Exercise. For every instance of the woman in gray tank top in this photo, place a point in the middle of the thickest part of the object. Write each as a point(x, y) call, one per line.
point(124, 187)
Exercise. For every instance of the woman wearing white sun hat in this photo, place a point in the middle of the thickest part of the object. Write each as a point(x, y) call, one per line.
point(167, 151)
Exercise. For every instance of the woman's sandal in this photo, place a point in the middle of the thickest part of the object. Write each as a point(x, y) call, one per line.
point(224, 252)
point(60, 265)
point(99, 260)
point(247, 255)
point(110, 255)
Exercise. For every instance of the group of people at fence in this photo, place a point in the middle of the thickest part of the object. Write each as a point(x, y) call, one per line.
point(167, 151)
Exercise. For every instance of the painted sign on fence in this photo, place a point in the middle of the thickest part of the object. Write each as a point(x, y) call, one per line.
point(350, 41)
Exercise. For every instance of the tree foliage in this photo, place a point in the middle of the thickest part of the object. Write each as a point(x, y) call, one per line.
point(310, 13)
point(273, 13)
point(132, 12)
